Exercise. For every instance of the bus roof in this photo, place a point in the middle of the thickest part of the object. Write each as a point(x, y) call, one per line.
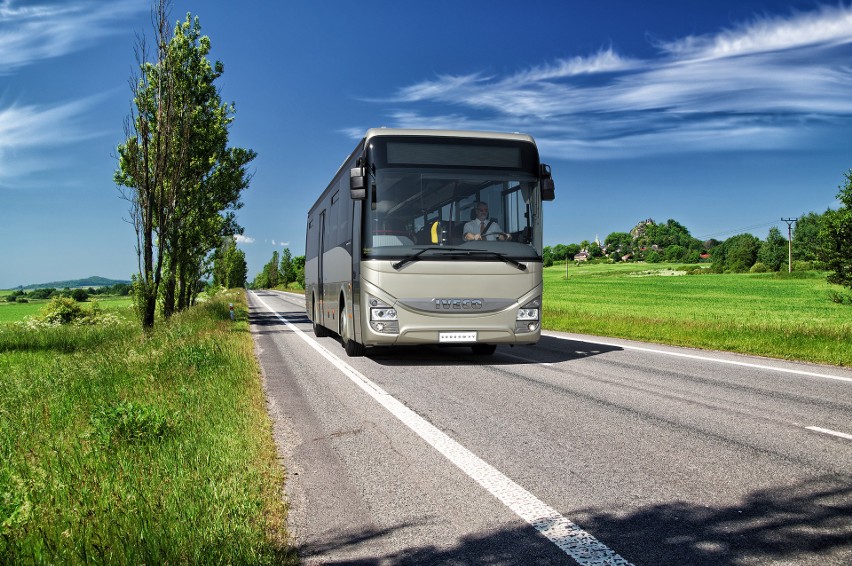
point(375, 132)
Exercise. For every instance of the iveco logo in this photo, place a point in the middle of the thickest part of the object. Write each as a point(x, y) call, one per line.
point(457, 304)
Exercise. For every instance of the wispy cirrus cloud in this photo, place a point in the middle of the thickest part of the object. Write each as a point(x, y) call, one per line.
point(36, 31)
point(33, 32)
point(752, 86)
point(28, 131)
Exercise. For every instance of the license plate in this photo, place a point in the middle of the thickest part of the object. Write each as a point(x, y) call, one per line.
point(446, 337)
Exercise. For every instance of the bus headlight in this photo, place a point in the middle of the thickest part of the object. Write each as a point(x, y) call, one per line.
point(528, 318)
point(528, 314)
point(383, 314)
point(383, 318)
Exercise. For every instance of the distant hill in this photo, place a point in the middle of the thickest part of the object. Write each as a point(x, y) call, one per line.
point(93, 281)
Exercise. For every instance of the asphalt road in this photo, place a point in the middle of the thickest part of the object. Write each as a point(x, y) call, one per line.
point(577, 450)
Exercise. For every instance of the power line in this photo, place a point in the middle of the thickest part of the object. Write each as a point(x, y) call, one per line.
point(738, 230)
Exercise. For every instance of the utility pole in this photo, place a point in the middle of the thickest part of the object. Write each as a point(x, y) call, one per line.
point(789, 222)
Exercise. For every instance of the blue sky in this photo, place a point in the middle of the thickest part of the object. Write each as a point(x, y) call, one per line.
point(724, 115)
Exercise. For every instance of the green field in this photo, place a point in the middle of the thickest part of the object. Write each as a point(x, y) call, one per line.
point(120, 448)
point(777, 315)
point(11, 312)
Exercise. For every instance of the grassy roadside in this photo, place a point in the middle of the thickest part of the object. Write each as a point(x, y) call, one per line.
point(117, 448)
point(766, 314)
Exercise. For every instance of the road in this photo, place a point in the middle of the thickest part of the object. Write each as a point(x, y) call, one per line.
point(576, 450)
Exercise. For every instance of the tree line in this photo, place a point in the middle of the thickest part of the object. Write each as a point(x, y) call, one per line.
point(280, 271)
point(182, 179)
point(819, 241)
point(79, 294)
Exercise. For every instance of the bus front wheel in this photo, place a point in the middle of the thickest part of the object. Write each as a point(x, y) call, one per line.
point(353, 349)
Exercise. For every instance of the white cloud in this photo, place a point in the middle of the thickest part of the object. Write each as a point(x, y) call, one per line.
point(33, 32)
point(828, 25)
point(25, 129)
point(243, 239)
point(749, 87)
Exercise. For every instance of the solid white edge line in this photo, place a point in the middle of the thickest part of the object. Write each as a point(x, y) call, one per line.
point(829, 431)
point(702, 358)
point(584, 548)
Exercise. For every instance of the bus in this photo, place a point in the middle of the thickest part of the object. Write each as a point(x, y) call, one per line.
point(430, 237)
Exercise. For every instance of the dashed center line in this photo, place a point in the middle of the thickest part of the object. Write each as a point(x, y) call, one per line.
point(584, 548)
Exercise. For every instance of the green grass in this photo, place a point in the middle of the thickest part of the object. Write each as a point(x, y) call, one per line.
point(121, 448)
point(13, 312)
point(777, 315)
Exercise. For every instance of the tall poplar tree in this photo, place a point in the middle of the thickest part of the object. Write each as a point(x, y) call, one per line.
point(175, 167)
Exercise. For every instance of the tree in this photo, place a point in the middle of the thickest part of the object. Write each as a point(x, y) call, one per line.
point(806, 239)
point(620, 242)
point(299, 267)
point(737, 254)
point(836, 237)
point(176, 170)
point(560, 252)
point(287, 273)
point(675, 253)
point(773, 253)
point(547, 256)
point(229, 264)
point(271, 270)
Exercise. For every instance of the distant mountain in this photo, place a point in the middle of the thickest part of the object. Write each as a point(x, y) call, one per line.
point(93, 281)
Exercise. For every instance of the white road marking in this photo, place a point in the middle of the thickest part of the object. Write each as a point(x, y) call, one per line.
point(584, 548)
point(527, 360)
point(704, 358)
point(829, 431)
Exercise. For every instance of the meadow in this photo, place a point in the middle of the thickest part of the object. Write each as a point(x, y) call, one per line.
point(117, 447)
point(11, 312)
point(779, 315)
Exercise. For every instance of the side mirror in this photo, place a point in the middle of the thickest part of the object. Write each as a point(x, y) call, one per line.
point(357, 185)
point(548, 190)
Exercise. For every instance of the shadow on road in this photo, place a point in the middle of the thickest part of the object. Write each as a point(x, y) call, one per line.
point(547, 351)
point(808, 523)
point(269, 323)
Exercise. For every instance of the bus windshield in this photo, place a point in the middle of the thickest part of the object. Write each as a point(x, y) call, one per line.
point(474, 193)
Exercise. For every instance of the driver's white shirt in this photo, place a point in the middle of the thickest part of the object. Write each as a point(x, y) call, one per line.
point(474, 227)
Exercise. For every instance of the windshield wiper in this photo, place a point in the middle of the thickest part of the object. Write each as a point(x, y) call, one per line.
point(415, 257)
point(459, 252)
point(504, 258)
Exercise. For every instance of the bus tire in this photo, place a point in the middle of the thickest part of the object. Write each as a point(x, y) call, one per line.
point(320, 331)
point(483, 349)
point(353, 349)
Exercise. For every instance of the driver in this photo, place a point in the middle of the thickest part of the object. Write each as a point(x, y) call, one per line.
point(484, 228)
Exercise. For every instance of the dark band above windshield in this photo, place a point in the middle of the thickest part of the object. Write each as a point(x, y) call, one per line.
point(470, 153)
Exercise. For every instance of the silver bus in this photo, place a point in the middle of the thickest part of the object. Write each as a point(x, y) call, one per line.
point(430, 237)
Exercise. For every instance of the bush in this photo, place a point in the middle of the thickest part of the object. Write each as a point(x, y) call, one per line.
point(22, 300)
point(79, 295)
point(65, 310)
point(62, 310)
point(758, 268)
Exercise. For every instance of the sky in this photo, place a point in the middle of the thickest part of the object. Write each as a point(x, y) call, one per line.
point(723, 115)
